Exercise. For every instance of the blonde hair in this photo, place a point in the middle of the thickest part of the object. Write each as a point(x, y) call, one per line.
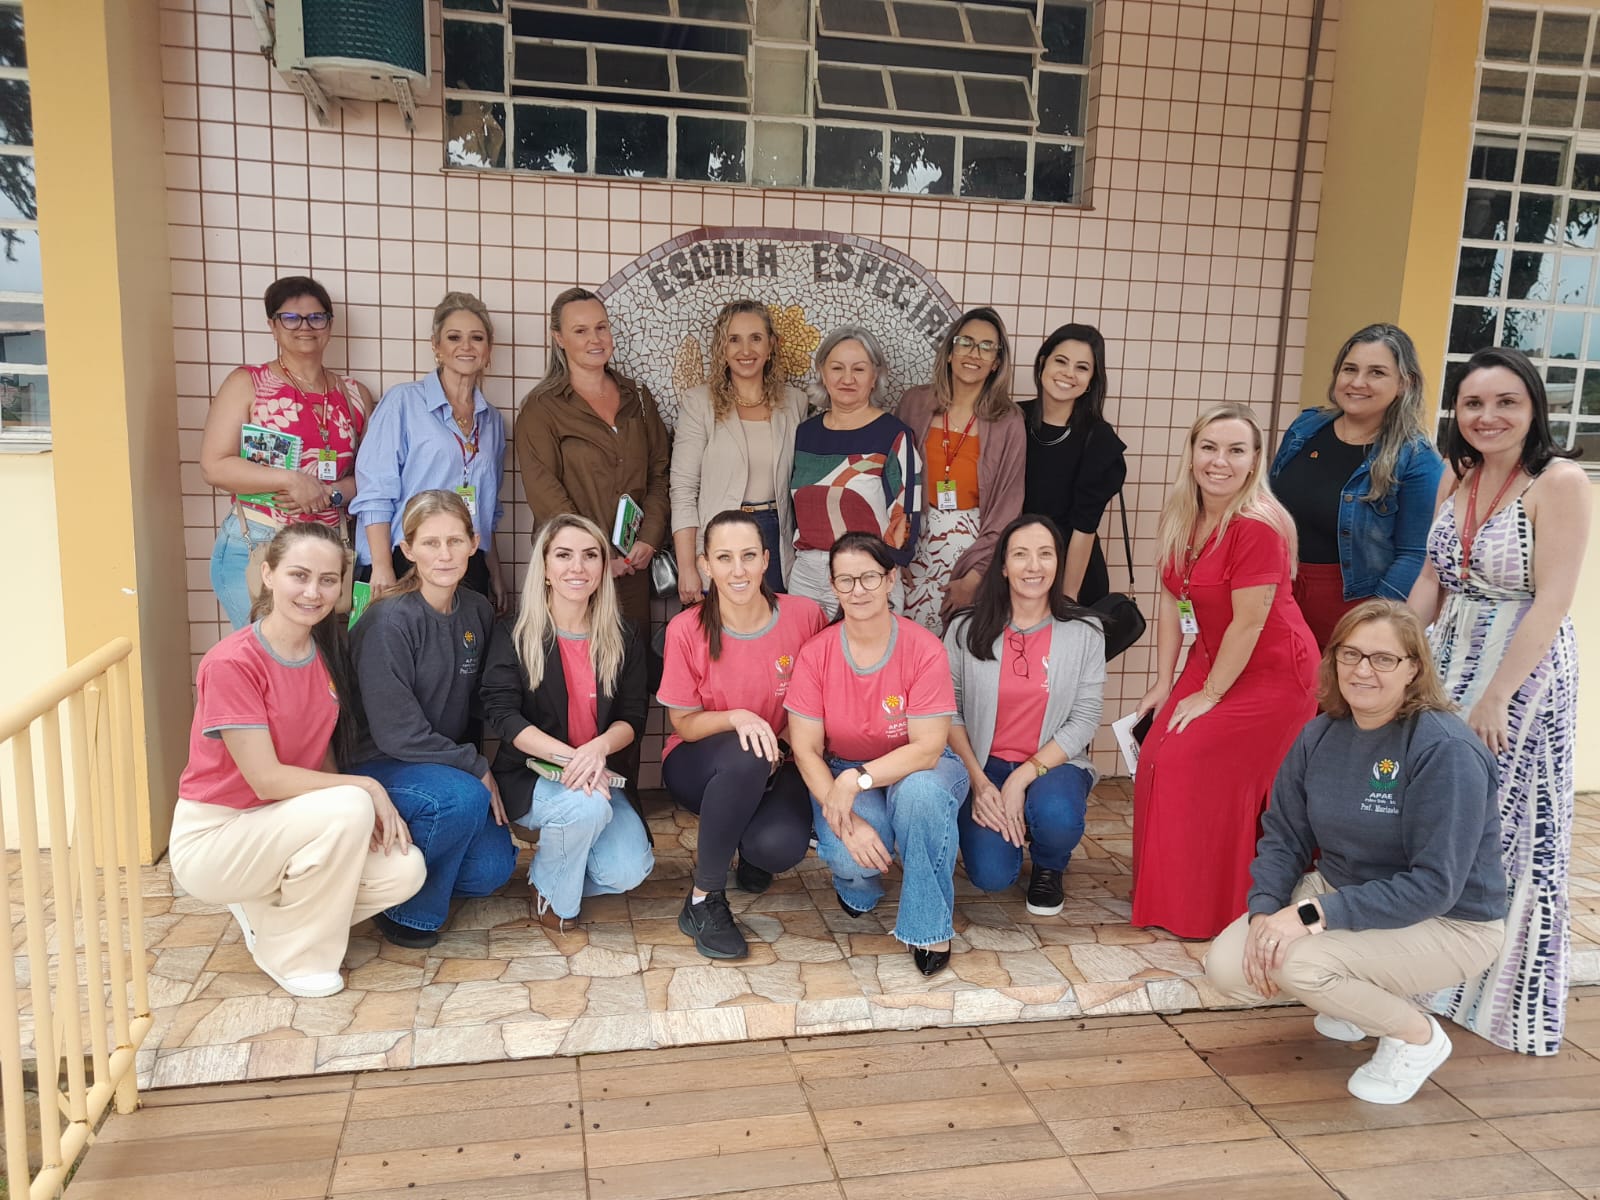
point(556, 375)
point(1182, 510)
point(721, 383)
point(435, 502)
point(455, 302)
point(994, 397)
point(1425, 692)
point(1402, 420)
point(534, 633)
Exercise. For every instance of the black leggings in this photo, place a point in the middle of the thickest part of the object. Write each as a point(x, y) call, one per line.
point(766, 818)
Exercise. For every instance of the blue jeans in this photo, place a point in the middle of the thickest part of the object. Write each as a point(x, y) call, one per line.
point(1053, 810)
point(916, 819)
point(447, 811)
point(767, 521)
point(588, 845)
point(229, 557)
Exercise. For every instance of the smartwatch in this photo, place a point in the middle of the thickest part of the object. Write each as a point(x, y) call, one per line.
point(1309, 916)
point(863, 781)
point(337, 497)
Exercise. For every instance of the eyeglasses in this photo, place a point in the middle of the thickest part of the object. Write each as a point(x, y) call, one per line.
point(315, 320)
point(988, 349)
point(1381, 660)
point(870, 581)
point(1017, 646)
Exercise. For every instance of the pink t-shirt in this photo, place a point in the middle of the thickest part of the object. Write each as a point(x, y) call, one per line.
point(865, 709)
point(583, 704)
point(243, 685)
point(753, 671)
point(1024, 691)
point(333, 421)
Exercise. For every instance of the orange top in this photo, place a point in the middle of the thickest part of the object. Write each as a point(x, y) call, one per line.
point(955, 459)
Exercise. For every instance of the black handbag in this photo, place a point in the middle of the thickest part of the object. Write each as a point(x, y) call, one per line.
point(1119, 612)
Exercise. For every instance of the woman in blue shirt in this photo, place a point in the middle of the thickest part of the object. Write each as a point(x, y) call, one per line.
point(1358, 476)
point(438, 432)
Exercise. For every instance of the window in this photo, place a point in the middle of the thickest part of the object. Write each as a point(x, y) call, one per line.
point(24, 389)
point(976, 98)
point(1525, 275)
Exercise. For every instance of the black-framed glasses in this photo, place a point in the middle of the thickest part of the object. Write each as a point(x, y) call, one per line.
point(313, 320)
point(870, 581)
point(1381, 660)
point(988, 349)
point(1017, 647)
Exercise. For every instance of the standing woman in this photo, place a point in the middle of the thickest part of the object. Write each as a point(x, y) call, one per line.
point(1504, 557)
point(1359, 477)
point(856, 468)
point(294, 394)
point(586, 436)
point(728, 666)
point(733, 447)
point(975, 446)
point(1029, 668)
point(265, 822)
point(1248, 685)
point(438, 432)
point(566, 684)
point(869, 714)
point(1075, 458)
point(418, 653)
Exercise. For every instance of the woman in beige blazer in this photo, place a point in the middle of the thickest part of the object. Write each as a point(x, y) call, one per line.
point(734, 445)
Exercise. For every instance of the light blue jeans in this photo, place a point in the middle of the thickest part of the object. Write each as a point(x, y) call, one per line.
point(588, 845)
point(915, 819)
point(229, 557)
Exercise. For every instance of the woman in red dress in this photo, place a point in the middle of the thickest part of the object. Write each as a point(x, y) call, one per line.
point(1227, 555)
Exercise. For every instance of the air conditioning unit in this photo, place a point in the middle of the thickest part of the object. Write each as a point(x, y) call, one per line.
point(334, 50)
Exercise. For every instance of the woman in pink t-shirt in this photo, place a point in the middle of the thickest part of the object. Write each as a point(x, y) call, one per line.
point(265, 822)
point(869, 712)
point(727, 670)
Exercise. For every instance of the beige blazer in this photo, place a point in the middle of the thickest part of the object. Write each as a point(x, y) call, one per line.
point(709, 468)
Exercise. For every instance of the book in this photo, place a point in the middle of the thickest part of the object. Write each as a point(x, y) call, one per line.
point(360, 597)
point(1131, 731)
point(270, 448)
point(552, 769)
point(625, 529)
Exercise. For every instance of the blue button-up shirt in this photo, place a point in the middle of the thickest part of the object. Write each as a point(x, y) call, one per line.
point(412, 444)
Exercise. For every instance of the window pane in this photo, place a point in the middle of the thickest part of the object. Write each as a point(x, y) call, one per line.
point(1065, 34)
point(930, 22)
point(855, 16)
point(1001, 27)
point(915, 92)
point(552, 64)
point(1566, 335)
point(1587, 440)
point(1555, 101)
point(711, 150)
point(1488, 161)
point(1471, 328)
point(1530, 276)
point(714, 10)
point(1591, 103)
point(487, 6)
point(16, 113)
point(1055, 173)
point(1586, 172)
point(782, 80)
point(552, 139)
point(633, 145)
point(786, 20)
point(1537, 215)
point(712, 77)
point(17, 196)
point(849, 158)
point(1524, 329)
point(1582, 216)
point(1542, 165)
point(1500, 96)
point(1589, 405)
point(1479, 273)
point(1509, 36)
point(632, 69)
point(25, 346)
point(994, 167)
point(654, 8)
point(12, 51)
point(474, 56)
point(1061, 105)
point(998, 99)
point(780, 155)
point(851, 87)
point(24, 403)
point(1573, 288)
point(922, 164)
point(1563, 39)
point(1488, 215)
point(475, 133)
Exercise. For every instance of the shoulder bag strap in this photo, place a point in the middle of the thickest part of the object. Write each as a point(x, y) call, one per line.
point(1127, 541)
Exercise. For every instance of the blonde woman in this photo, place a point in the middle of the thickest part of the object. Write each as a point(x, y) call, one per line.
point(733, 447)
point(566, 684)
point(1227, 556)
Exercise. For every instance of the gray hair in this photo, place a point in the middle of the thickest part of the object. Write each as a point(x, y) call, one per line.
point(817, 392)
point(455, 302)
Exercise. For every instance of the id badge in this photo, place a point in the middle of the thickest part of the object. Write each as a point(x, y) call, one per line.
point(469, 496)
point(327, 465)
point(944, 491)
point(1186, 618)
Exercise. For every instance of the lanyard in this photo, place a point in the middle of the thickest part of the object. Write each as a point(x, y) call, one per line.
point(469, 448)
point(1470, 531)
point(320, 414)
point(1191, 556)
point(950, 456)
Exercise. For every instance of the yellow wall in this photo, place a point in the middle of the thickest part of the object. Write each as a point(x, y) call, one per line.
point(32, 645)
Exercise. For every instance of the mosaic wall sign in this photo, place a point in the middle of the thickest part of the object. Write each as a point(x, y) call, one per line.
point(663, 304)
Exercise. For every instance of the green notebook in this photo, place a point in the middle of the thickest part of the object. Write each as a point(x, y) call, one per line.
point(552, 770)
point(270, 448)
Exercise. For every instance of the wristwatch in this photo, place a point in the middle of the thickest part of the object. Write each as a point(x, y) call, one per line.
point(1309, 916)
point(337, 497)
point(863, 781)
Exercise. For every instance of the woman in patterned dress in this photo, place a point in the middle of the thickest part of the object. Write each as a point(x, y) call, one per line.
point(1504, 556)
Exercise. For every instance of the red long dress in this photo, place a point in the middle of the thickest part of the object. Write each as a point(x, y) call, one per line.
point(1199, 795)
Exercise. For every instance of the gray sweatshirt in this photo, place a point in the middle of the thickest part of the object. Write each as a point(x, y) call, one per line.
point(1407, 818)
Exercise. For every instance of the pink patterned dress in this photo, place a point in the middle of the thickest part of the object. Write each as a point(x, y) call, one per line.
point(333, 421)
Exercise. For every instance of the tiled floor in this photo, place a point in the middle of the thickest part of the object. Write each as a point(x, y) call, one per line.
point(1219, 1106)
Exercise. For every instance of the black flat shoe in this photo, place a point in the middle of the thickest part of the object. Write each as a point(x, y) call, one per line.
point(930, 962)
point(849, 910)
point(751, 878)
point(404, 935)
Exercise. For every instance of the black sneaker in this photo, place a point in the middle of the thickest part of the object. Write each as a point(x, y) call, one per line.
point(1045, 895)
point(849, 909)
point(751, 878)
point(710, 924)
point(404, 935)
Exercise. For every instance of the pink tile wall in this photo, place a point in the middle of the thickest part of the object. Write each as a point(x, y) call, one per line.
point(1179, 259)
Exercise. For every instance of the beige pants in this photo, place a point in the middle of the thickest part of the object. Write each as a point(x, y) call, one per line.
point(300, 868)
point(1362, 977)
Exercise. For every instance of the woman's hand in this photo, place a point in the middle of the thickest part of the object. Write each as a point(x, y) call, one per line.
point(302, 495)
point(586, 771)
point(838, 806)
point(1013, 795)
point(1192, 706)
point(382, 578)
point(986, 804)
point(866, 847)
point(1267, 944)
point(960, 593)
point(1490, 720)
point(620, 566)
point(388, 830)
point(641, 554)
point(497, 806)
point(1153, 699)
point(688, 582)
point(755, 735)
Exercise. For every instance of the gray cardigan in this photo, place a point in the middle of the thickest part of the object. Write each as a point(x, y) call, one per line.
point(1077, 687)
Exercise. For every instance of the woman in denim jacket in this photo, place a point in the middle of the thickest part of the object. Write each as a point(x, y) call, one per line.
point(1359, 478)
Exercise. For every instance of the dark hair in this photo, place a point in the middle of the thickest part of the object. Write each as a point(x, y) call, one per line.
point(711, 607)
point(1090, 407)
point(292, 287)
point(994, 397)
point(331, 635)
point(991, 607)
point(1538, 447)
point(870, 544)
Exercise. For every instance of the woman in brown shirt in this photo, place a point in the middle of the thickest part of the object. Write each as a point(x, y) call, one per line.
point(586, 435)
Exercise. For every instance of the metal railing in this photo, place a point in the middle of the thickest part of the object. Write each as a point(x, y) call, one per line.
point(84, 924)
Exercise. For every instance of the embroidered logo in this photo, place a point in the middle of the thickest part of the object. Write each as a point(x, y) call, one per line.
point(469, 639)
point(892, 706)
point(1385, 775)
point(784, 666)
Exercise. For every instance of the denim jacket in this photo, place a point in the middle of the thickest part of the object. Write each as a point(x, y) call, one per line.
point(1381, 542)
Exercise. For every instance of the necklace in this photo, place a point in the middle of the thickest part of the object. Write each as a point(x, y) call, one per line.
point(1056, 441)
point(319, 413)
point(757, 403)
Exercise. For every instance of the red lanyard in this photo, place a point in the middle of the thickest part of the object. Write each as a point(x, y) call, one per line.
point(1192, 556)
point(949, 455)
point(1470, 531)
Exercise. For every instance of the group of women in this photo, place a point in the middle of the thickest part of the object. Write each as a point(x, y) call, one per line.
point(964, 514)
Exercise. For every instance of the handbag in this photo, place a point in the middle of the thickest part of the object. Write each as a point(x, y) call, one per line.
point(664, 575)
point(1119, 613)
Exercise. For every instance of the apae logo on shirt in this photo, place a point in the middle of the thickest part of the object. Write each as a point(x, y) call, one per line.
point(469, 659)
point(894, 707)
point(782, 672)
point(1385, 779)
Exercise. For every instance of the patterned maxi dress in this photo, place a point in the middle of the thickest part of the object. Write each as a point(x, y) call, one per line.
point(1521, 1002)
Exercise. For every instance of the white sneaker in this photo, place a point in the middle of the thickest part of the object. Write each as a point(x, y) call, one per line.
point(1338, 1029)
point(244, 925)
point(1397, 1069)
point(309, 987)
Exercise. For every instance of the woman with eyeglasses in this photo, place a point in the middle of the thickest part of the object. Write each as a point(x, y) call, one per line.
point(1029, 668)
point(437, 432)
point(1377, 877)
point(870, 706)
point(294, 394)
point(974, 447)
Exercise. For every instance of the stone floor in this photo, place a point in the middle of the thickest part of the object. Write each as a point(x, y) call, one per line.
point(498, 986)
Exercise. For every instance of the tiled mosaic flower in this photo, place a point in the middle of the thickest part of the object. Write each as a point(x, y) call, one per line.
point(797, 339)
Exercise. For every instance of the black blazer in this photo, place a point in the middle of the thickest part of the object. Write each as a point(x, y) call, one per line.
point(509, 708)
